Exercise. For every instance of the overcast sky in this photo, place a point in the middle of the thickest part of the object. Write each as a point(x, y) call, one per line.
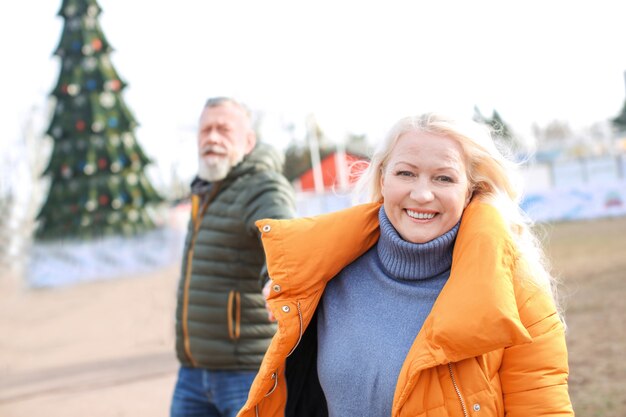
point(357, 65)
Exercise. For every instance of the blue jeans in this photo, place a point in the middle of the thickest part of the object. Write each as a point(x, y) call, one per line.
point(204, 393)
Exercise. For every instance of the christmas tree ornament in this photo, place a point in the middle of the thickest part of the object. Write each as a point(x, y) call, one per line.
point(112, 85)
point(92, 11)
point(97, 126)
point(66, 171)
point(116, 203)
point(73, 89)
point(90, 22)
point(70, 10)
point(107, 100)
point(96, 44)
point(91, 84)
point(133, 216)
point(89, 169)
point(103, 200)
point(91, 205)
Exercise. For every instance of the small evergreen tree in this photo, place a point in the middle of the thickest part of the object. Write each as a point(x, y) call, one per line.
point(501, 130)
point(98, 185)
point(619, 122)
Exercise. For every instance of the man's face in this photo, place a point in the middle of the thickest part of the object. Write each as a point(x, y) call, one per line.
point(224, 138)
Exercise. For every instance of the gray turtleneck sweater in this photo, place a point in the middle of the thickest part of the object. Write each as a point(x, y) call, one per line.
point(369, 317)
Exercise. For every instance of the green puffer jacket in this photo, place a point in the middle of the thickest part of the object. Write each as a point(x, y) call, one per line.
point(221, 321)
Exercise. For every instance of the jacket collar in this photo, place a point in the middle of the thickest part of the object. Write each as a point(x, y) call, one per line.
point(476, 311)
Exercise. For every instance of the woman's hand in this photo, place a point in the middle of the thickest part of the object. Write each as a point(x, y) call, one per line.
point(266, 293)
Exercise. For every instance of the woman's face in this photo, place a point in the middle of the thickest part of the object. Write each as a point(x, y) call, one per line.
point(425, 186)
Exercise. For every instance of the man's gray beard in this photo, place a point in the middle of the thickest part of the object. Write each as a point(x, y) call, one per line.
point(213, 172)
point(217, 170)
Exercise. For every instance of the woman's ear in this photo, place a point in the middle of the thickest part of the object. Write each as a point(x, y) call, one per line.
point(470, 194)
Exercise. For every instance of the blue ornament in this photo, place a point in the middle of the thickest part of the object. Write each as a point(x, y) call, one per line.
point(91, 84)
point(113, 122)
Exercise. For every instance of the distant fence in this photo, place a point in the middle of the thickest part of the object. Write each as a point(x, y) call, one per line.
point(575, 173)
point(586, 188)
point(572, 190)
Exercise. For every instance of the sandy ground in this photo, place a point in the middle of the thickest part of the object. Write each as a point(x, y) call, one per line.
point(590, 259)
point(105, 348)
point(95, 349)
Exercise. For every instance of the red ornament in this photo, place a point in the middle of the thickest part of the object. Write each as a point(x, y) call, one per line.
point(64, 88)
point(66, 171)
point(115, 85)
point(102, 163)
point(96, 44)
point(80, 125)
point(103, 200)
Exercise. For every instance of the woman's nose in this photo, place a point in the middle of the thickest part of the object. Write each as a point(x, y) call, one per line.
point(422, 192)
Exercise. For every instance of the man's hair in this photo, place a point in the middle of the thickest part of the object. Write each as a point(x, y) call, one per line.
point(218, 101)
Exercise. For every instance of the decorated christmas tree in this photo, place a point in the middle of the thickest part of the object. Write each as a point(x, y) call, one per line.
point(97, 175)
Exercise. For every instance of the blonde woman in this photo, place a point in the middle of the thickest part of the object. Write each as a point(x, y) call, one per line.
point(432, 300)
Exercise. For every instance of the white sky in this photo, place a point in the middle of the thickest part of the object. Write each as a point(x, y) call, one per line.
point(357, 65)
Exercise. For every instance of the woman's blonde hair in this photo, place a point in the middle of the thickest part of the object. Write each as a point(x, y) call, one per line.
point(492, 177)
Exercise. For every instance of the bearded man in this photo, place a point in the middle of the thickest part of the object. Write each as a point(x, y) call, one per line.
point(222, 328)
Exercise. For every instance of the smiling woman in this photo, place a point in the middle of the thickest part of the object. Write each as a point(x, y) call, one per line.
point(425, 186)
point(424, 301)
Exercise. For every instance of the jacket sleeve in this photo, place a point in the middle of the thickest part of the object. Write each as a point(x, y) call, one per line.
point(534, 375)
point(271, 197)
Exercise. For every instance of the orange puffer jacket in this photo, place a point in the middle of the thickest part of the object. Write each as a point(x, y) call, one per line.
point(491, 346)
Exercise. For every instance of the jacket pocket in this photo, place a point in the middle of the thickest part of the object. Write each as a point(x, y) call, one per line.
point(233, 314)
point(468, 384)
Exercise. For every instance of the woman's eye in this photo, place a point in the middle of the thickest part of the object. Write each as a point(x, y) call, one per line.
point(404, 174)
point(445, 178)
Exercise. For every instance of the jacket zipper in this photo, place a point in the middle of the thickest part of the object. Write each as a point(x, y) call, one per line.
point(197, 213)
point(301, 331)
point(275, 374)
point(458, 391)
point(185, 314)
